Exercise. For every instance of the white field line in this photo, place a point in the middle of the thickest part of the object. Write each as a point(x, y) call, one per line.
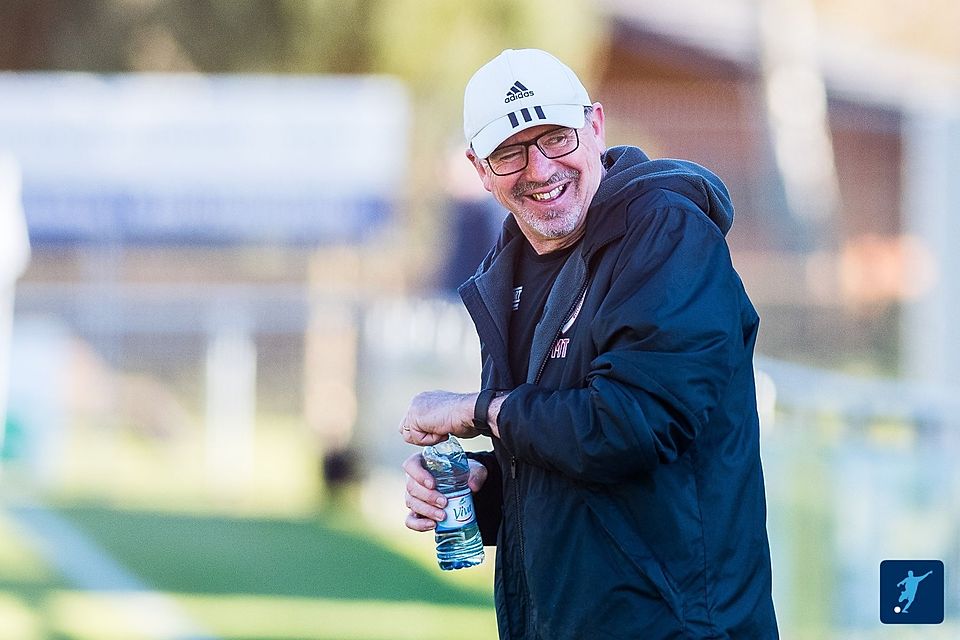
point(88, 567)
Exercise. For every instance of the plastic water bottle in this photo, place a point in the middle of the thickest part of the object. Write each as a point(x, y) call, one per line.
point(459, 544)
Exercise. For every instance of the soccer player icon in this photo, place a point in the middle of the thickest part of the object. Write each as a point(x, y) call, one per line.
point(909, 585)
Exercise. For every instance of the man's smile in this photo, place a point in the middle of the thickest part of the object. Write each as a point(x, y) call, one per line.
point(548, 196)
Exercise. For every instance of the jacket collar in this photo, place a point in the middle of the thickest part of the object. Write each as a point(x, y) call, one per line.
point(486, 295)
point(606, 221)
point(604, 224)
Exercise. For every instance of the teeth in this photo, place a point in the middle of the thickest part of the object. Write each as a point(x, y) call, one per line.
point(550, 195)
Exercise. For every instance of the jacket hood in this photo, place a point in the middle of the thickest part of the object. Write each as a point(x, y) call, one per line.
point(631, 173)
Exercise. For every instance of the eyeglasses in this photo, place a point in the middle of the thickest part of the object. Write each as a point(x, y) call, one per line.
point(553, 144)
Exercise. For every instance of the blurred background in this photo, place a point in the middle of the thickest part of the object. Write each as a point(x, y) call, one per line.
point(230, 238)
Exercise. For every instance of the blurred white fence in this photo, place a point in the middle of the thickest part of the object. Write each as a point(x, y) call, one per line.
point(857, 471)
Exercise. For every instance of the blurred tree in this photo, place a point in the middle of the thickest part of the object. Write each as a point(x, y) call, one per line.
point(294, 36)
point(316, 36)
point(65, 35)
point(328, 36)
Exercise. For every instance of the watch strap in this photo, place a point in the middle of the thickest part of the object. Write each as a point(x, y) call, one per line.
point(480, 411)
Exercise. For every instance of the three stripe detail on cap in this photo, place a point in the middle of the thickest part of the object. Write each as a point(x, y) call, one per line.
point(525, 114)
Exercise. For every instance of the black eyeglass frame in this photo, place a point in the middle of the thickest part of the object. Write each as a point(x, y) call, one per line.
point(535, 143)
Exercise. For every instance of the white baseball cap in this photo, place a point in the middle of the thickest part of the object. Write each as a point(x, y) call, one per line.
point(519, 89)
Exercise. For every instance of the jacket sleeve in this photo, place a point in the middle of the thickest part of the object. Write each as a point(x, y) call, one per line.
point(668, 339)
point(488, 502)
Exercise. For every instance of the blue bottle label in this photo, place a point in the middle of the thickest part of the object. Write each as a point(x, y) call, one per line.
point(459, 511)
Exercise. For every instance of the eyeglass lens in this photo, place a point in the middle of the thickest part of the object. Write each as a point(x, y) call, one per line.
point(552, 144)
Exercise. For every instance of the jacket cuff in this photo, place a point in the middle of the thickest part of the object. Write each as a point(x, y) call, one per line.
point(509, 437)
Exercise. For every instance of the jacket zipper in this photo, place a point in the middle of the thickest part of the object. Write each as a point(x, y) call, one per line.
point(566, 318)
point(513, 459)
point(516, 496)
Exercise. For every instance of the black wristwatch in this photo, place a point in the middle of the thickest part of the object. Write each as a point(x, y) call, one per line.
point(481, 409)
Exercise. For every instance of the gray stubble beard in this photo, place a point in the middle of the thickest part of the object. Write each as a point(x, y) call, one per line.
point(537, 223)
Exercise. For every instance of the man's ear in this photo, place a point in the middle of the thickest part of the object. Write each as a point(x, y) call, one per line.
point(598, 125)
point(482, 170)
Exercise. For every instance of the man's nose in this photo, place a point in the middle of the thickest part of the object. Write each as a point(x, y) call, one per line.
point(539, 166)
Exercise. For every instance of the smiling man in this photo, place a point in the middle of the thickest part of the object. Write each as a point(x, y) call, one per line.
point(624, 491)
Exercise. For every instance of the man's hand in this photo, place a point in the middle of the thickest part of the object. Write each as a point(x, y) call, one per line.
point(424, 501)
point(434, 415)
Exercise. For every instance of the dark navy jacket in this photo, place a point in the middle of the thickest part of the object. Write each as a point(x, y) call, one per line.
point(626, 495)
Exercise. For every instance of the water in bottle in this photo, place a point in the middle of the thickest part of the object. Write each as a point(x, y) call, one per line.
point(458, 537)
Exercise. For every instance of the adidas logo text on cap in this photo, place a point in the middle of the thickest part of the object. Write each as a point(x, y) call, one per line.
point(519, 89)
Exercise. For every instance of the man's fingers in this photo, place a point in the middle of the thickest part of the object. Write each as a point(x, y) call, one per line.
point(433, 415)
point(478, 475)
point(417, 523)
point(423, 509)
point(424, 494)
point(420, 495)
point(421, 438)
point(413, 467)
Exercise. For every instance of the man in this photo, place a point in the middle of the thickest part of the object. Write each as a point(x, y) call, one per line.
point(624, 491)
point(909, 585)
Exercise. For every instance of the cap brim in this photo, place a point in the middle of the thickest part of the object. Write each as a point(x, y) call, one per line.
point(492, 135)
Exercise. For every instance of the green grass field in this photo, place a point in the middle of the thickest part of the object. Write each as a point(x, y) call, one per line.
point(270, 557)
point(236, 578)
